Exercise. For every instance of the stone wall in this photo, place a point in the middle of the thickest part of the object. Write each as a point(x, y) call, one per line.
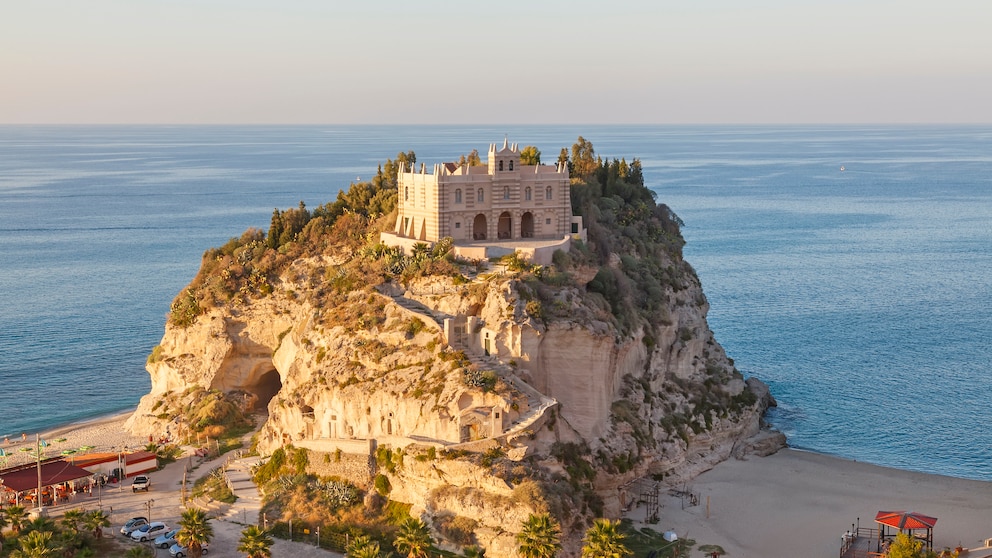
point(348, 466)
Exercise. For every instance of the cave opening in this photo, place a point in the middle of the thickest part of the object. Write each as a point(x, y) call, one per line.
point(265, 388)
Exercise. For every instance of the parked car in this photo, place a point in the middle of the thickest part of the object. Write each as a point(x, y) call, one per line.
point(180, 551)
point(149, 532)
point(132, 524)
point(141, 482)
point(166, 540)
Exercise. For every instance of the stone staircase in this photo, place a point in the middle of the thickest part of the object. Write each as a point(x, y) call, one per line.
point(537, 403)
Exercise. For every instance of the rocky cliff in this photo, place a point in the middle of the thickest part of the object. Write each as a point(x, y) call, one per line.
point(495, 390)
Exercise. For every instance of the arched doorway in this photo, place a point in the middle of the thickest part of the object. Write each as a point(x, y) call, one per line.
point(527, 225)
point(504, 229)
point(479, 227)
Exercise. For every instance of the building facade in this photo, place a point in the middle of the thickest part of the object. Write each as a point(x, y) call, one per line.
point(501, 201)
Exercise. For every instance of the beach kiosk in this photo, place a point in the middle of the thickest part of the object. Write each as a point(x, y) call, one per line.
point(914, 524)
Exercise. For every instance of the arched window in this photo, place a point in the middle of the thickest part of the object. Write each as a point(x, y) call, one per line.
point(547, 193)
point(501, 165)
point(511, 165)
point(481, 197)
point(506, 192)
point(527, 193)
point(458, 195)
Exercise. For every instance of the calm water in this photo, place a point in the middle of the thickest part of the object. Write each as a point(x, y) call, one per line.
point(863, 297)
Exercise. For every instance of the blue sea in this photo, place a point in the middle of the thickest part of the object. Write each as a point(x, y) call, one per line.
point(862, 296)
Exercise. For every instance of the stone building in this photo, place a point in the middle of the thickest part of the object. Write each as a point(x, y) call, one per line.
point(503, 202)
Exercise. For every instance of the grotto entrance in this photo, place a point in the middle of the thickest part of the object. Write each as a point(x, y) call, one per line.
point(265, 387)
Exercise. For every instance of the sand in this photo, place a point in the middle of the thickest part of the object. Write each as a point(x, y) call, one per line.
point(796, 503)
point(104, 434)
point(789, 504)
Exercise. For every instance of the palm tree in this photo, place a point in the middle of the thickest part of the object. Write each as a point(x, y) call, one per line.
point(540, 537)
point(3, 525)
point(141, 551)
point(95, 521)
point(604, 540)
point(72, 518)
point(37, 544)
point(16, 517)
point(413, 539)
point(39, 523)
point(196, 530)
point(363, 546)
point(255, 543)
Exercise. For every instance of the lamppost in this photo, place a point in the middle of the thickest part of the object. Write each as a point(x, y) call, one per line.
point(148, 506)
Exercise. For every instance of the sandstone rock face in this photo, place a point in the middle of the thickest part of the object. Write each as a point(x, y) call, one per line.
point(365, 372)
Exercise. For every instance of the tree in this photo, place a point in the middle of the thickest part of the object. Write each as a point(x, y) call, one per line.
point(540, 537)
point(413, 539)
point(583, 158)
point(40, 523)
point(905, 546)
point(37, 544)
point(530, 155)
point(72, 518)
point(255, 543)
point(140, 552)
point(363, 546)
point(475, 551)
point(196, 530)
point(95, 521)
point(604, 540)
point(3, 525)
point(17, 517)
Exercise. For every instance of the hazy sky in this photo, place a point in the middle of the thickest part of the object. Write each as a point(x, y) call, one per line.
point(510, 61)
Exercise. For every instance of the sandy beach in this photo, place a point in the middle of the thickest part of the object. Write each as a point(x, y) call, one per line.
point(798, 504)
point(789, 504)
point(102, 434)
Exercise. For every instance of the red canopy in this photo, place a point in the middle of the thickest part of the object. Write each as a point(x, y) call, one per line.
point(905, 521)
point(25, 477)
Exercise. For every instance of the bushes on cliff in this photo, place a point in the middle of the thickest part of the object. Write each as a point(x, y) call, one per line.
point(624, 221)
point(248, 266)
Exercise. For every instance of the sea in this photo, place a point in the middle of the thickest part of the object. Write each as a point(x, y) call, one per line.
point(848, 267)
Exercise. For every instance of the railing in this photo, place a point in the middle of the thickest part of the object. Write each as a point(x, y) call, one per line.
point(858, 544)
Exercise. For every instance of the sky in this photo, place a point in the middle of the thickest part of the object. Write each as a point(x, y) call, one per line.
point(503, 61)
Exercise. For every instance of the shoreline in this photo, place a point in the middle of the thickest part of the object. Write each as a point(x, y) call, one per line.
point(793, 502)
point(103, 433)
point(800, 503)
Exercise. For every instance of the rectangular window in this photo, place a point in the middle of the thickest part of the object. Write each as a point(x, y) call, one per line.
point(547, 221)
point(458, 225)
point(575, 228)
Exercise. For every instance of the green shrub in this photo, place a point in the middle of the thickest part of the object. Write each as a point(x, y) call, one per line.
point(481, 379)
point(382, 485)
